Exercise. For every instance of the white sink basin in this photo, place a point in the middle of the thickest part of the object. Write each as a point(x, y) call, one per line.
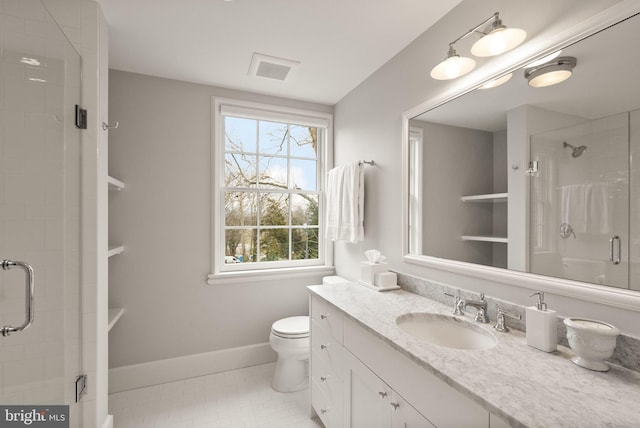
point(446, 331)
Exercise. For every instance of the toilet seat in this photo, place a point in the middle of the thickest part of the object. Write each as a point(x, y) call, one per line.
point(291, 328)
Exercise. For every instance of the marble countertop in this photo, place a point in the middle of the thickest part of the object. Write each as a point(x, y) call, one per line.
point(524, 386)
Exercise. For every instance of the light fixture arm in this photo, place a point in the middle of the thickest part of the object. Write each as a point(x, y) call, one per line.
point(495, 17)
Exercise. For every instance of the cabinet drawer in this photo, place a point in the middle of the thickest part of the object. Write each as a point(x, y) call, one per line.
point(326, 378)
point(328, 317)
point(326, 352)
point(327, 406)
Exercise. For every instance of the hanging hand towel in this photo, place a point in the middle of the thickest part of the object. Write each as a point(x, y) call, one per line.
point(573, 206)
point(345, 203)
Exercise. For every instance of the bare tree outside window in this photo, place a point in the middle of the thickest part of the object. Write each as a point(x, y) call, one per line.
point(271, 192)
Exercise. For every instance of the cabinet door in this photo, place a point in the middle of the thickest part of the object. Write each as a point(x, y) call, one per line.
point(367, 397)
point(403, 415)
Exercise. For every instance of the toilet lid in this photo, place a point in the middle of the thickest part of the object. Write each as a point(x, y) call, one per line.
point(292, 327)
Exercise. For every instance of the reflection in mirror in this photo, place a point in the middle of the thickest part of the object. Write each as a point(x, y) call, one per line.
point(540, 180)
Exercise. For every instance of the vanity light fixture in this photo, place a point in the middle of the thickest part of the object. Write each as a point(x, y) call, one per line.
point(550, 73)
point(453, 66)
point(496, 39)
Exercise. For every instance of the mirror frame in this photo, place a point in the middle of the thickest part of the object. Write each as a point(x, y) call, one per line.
point(512, 62)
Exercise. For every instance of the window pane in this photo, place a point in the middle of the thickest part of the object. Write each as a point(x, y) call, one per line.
point(274, 245)
point(303, 174)
point(273, 172)
point(240, 245)
point(305, 244)
point(240, 135)
point(304, 210)
point(239, 170)
point(303, 141)
point(273, 138)
point(240, 209)
point(274, 209)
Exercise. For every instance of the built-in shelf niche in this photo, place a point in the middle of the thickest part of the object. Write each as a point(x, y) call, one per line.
point(114, 183)
point(114, 250)
point(114, 313)
point(486, 238)
point(489, 197)
point(114, 316)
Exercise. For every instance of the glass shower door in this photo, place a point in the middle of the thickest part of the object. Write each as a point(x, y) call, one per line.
point(579, 202)
point(39, 208)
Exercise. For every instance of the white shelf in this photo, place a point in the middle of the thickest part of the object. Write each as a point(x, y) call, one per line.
point(490, 197)
point(114, 316)
point(115, 250)
point(115, 184)
point(500, 239)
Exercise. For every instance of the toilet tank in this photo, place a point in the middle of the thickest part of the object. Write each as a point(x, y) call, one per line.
point(327, 280)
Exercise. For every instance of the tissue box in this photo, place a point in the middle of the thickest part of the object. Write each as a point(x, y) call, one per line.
point(369, 270)
point(385, 279)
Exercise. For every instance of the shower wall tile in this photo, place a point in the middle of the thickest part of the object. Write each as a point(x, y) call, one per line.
point(24, 235)
point(24, 375)
point(24, 9)
point(33, 365)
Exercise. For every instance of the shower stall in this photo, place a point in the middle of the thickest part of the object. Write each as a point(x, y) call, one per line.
point(581, 215)
point(40, 211)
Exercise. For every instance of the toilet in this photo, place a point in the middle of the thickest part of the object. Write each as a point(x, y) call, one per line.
point(290, 339)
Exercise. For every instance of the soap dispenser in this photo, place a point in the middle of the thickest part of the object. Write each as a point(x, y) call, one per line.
point(542, 329)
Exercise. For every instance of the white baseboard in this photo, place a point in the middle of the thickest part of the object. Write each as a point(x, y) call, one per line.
point(189, 366)
point(108, 422)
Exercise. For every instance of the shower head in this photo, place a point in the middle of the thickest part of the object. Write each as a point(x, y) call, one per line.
point(575, 151)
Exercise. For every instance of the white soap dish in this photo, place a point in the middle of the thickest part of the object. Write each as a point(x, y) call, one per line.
point(593, 342)
point(374, 287)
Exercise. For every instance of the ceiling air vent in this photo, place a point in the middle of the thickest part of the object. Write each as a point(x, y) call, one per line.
point(270, 67)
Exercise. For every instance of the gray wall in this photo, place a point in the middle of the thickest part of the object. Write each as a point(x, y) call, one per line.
point(162, 152)
point(368, 124)
point(461, 160)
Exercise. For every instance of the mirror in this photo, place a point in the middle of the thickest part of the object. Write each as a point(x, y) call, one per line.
point(539, 180)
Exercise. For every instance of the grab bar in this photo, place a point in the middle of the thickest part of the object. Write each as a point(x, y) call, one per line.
point(29, 293)
point(612, 258)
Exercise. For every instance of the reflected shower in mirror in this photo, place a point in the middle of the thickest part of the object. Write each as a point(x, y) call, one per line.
point(537, 179)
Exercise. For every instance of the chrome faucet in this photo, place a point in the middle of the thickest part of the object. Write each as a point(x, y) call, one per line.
point(481, 308)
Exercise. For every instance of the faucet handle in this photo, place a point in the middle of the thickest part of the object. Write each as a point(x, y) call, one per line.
point(500, 324)
point(457, 305)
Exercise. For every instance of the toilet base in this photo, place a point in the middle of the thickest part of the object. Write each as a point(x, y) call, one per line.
point(291, 374)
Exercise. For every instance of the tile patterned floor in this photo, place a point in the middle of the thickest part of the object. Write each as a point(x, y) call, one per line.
point(235, 399)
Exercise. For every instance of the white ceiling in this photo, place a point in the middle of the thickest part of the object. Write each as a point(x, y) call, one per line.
point(338, 42)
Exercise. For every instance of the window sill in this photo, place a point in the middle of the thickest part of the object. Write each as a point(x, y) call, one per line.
point(262, 275)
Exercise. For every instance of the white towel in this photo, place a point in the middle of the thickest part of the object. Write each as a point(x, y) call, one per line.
point(574, 207)
point(598, 216)
point(345, 203)
point(586, 207)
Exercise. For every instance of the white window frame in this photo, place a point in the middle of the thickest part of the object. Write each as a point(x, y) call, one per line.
point(241, 272)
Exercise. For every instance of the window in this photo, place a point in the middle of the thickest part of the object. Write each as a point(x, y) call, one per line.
point(268, 175)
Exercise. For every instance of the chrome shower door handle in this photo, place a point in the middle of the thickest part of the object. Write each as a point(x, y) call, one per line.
point(613, 258)
point(29, 296)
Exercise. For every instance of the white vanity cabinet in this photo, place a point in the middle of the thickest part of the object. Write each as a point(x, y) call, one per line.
point(360, 381)
point(327, 363)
